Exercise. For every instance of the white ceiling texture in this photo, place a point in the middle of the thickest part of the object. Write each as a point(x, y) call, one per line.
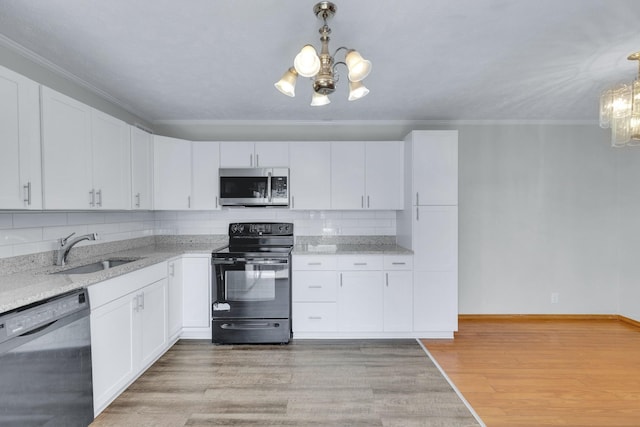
point(432, 59)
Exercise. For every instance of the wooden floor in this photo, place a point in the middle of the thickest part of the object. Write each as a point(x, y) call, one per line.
point(546, 372)
point(305, 383)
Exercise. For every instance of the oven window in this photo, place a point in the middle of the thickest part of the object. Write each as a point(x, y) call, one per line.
point(250, 284)
point(243, 187)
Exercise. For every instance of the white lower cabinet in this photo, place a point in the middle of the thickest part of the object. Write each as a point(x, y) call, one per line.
point(128, 329)
point(175, 271)
point(196, 296)
point(347, 296)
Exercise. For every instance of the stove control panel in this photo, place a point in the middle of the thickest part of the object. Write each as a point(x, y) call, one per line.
point(261, 229)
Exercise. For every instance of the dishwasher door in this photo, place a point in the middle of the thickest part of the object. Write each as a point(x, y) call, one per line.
point(45, 364)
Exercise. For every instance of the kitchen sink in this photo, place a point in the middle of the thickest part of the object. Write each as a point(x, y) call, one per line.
point(95, 266)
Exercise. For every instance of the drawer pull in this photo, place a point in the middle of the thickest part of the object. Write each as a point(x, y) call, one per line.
point(315, 287)
point(315, 317)
point(359, 263)
point(398, 263)
point(314, 263)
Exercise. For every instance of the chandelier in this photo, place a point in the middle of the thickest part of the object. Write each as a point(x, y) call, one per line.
point(321, 68)
point(620, 110)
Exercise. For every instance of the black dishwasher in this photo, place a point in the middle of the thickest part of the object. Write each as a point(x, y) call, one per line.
point(45, 363)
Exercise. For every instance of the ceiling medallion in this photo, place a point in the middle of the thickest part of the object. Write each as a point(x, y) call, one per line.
point(321, 68)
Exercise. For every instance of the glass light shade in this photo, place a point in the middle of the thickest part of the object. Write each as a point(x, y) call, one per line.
point(357, 90)
point(307, 63)
point(620, 132)
point(622, 101)
point(359, 68)
point(606, 108)
point(319, 99)
point(287, 84)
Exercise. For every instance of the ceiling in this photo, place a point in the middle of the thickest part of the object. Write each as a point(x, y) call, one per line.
point(217, 60)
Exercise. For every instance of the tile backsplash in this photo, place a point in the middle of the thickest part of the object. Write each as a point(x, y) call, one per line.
point(24, 233)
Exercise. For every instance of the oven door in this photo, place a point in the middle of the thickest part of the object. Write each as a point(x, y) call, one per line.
point(251, 288)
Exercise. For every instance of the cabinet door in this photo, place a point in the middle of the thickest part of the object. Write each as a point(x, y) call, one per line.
point(152, 321)
point(435, 301)
point(112, 353)
point(66, 152)
point(141, 169)
point(236, 154)
point(384, 175)
point(111, 160)
point(175, 298)
point(205, 179)
point(171, 173)
point(360, 301)
point(310, 173)
point(435, 167)
point(271, 154)
point(398, 301)
point(347, 175)
point(196, 291)
point(435, 238)
point(20, 165)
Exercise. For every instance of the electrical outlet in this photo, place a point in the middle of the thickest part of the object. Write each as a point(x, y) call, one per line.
point(555, 296)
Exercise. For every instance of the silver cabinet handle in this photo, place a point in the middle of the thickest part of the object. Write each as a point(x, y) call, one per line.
point(138, 200)
point(292, 202)
point(99, 194)
point(257, 160)
point(340, 279)
point(368, 204)
point(315, 287)
point(362, 202)
point(417, 198)
point(251, 160)
point(387, 279)
point(189, 202)
point(92, 201)
point(314, 317)
point(398, 263)
point(27, 191)
point(216, 201)
point(314, 263)
point(173, 269)
point(142, 301)
point(359, 263)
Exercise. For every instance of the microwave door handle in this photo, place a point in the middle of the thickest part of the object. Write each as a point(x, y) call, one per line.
point(269, 186)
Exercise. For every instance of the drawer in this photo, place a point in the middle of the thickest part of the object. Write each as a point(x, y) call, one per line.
point(315, 317)
point(314, 262)
point(398, 262)
point(314, 286)
point(360, 262)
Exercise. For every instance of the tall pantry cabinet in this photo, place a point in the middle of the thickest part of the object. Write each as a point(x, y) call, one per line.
point(429, 226)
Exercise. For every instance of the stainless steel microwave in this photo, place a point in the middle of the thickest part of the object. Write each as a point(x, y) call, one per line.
point(254, 187)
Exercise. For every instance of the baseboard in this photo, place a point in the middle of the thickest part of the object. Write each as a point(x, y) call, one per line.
point(529, 317)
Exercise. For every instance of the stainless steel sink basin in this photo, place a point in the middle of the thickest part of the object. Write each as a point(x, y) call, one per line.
point(95, 266)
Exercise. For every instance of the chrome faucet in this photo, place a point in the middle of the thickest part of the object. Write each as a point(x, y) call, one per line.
point(66, 245)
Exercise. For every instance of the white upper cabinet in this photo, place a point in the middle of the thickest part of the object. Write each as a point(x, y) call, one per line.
point(141, 169)
point(86, 156)
point(367, 175)
point(347, 175)
point(20, 174)
point(310, 175)
point(254, 154)
point(111, 150)
point(171, 173)
point(205, 181)
point(435, 167)
point(384, 175)
point(66, 152)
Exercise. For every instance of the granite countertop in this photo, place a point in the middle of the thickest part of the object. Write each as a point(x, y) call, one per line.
point(35, 284)
point(350, 249)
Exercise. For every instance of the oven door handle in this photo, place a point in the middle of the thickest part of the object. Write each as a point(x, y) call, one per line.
point(226, 261)
point(261, 261)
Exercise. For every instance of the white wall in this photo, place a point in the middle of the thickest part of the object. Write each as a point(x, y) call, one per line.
point(538, 215)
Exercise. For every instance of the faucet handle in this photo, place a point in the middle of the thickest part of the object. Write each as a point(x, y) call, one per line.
point(64, 239)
